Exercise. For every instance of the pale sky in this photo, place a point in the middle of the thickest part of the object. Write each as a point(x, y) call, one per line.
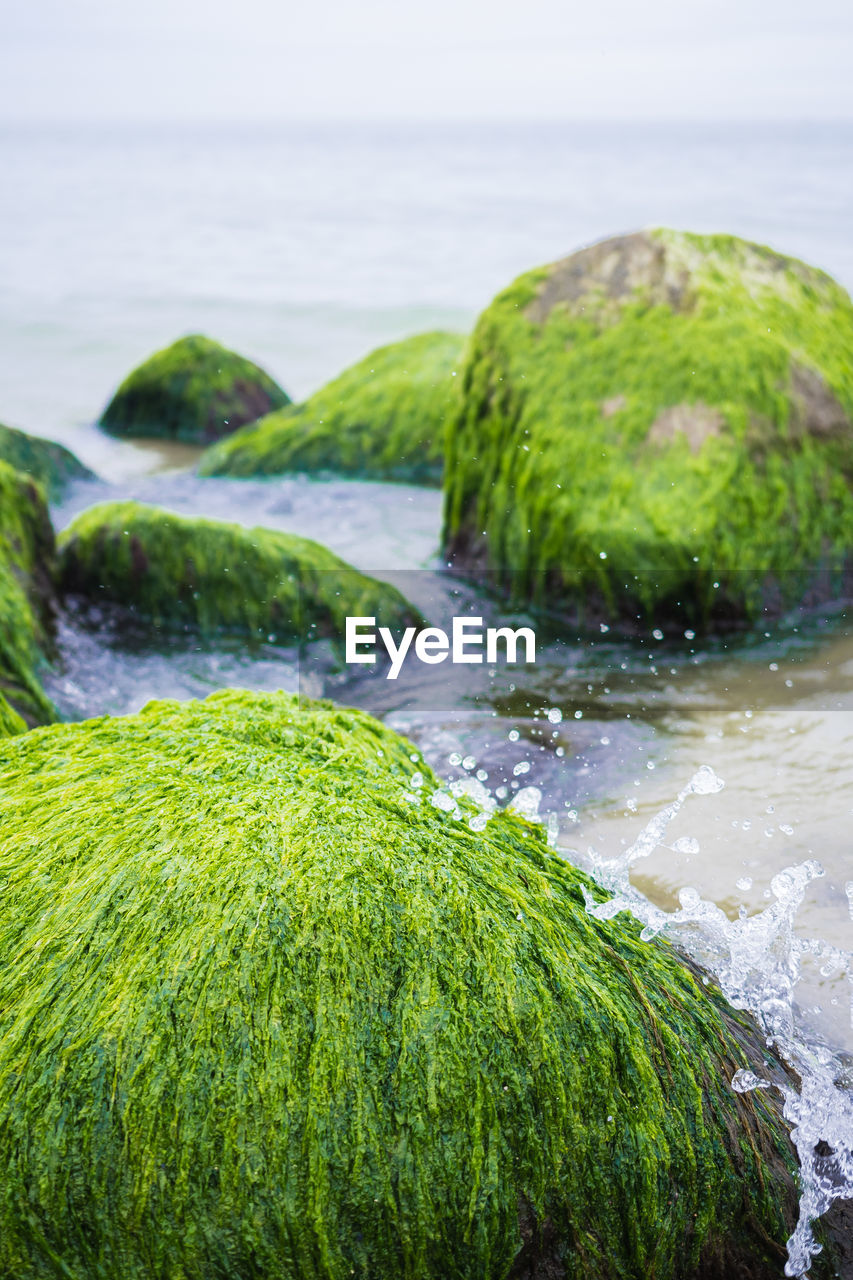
point(391, 59)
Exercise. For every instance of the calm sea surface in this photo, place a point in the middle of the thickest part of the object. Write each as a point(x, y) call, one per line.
point(305, 246)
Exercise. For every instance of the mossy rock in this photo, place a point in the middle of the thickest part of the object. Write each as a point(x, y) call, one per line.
point(10, 722)
point(382, 419)
point(180, 572)
point(658, 430)
point(46, 461)
point(27, 585)
point(269, 1012)
point(195, 391)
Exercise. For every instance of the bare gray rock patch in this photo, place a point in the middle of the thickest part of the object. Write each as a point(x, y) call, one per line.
point(698, 422)
point(611, 272)
point(815, 410)
point(614, 404)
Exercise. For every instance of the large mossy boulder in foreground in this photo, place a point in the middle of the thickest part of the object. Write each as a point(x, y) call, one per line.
point(195, 391)
point(270, 1012)
point(27, 582)
point(658, 429)
point(46, 461)
point(382, 419)
point(189, 573)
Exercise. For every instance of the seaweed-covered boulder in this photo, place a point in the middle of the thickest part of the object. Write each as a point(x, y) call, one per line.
point(195, 391)
point(46, 461)
point(268, 1011)
point(384, 418)
point(10, 722)
point(27, 583)
point(658, 429)
point(181, 572)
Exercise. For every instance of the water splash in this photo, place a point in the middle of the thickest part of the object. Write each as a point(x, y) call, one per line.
point(757, 961)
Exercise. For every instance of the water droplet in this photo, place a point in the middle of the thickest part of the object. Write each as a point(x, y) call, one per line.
point(744, 1081)
point(526, 803)
point(705, 782)
point(555, 715)
point(441, 800)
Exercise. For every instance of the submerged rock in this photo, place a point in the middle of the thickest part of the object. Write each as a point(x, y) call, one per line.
point(46, 461)
point(27, 581)
point(269, 1011)
point(658, 429)
point(181, 572)
point(195, 391)
point(384, 418)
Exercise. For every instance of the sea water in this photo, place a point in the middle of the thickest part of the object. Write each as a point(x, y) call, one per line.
point(305, 246)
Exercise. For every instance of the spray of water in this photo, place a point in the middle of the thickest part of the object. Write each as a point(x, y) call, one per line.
point(757, 960)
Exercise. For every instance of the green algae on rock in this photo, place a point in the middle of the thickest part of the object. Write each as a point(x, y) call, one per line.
point(658, 429)
point(27, 580)
point(269, 1011)
point(181, 572)
point(195, 391)
point(383, 419)
point(10, 722)
point(46, 461)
